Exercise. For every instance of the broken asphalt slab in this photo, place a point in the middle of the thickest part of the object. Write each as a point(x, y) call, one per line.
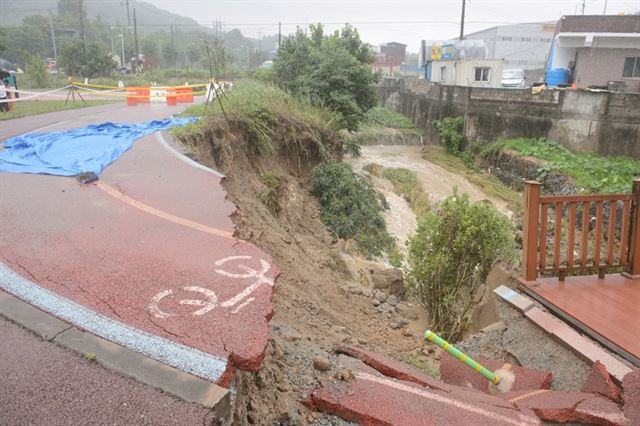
point(383, 391)
point(631, 396)
point(453, 372)
point(367, 395)
point(373, 400)
point(389, 367)
point(563, 407)
point(599, 381)
point(145, 258)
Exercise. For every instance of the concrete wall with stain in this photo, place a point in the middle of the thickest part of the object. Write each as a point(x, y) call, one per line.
point(608, 123)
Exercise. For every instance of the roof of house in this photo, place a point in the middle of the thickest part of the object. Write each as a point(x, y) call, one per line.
point(393, 43)
point(508, 25)
point(599, 24)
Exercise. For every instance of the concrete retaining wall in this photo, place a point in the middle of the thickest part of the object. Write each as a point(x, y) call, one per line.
point(608, 123)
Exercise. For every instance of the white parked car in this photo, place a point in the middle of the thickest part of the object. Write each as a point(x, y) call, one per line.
point(513, 79)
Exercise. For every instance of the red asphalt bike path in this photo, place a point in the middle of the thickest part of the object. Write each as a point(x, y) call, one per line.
point(149, 245)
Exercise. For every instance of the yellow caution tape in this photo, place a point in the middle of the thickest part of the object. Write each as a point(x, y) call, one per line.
point(99, 86)
point(125, 95)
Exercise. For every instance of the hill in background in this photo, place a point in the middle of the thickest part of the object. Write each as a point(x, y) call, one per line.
point(111, 11)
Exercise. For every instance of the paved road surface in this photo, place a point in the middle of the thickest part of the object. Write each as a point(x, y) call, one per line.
point(145, 257)
point(45, 384)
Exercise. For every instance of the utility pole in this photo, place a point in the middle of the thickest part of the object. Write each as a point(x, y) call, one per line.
point(583, 5)
point(81, 23)
point(604, 12)
point(279, 34)
point(260, 39)
point(173, 48)
point(53, 39)
point(464, 3)
point(135, 35)
point(124, 64)
point(128, 15)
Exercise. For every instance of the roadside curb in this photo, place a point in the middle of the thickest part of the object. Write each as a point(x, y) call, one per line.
point(117, 358)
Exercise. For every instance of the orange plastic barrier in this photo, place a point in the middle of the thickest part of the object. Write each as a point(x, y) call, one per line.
point(143, 95)
point(185, 94)
point(172, 96)
point(131, 96)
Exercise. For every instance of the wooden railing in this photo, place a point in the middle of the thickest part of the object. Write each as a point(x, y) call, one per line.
point(580, 233)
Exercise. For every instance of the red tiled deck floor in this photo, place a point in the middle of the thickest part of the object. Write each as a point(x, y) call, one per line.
point(607, 309)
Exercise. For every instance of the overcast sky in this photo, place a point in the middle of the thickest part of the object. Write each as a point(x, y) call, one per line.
point(378, 21)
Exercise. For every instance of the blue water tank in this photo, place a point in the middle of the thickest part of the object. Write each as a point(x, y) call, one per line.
point(558, 76)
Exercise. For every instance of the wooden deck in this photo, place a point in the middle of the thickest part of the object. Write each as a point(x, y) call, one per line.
point(607, 309)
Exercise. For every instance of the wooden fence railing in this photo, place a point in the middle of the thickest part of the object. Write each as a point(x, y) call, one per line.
point(580, 233)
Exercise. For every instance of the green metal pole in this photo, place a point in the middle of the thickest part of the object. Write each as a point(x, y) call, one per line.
point(461, 356)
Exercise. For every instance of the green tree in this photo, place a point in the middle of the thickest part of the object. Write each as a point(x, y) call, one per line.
point(92, 61)
point(450, 257)
point(170, 54)
point(149, 47)
point(332, 70)
point(451, 132)
point(31, 37)
point(37, 72)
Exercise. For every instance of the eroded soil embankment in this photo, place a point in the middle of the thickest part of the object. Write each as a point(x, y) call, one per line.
point(314, 305)
point(513, 169)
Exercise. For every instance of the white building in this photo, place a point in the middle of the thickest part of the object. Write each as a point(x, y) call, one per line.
point(467, 72)
point(599, 50)
point(521, 46)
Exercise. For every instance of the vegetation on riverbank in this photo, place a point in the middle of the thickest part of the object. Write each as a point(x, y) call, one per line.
point(351, 208)
point(592, 173)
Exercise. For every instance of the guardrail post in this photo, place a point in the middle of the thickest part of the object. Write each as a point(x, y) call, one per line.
point(633, 268)
point(530, 231)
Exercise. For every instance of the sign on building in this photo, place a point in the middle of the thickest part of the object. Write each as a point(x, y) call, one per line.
point(447, 51)
point(436, 53)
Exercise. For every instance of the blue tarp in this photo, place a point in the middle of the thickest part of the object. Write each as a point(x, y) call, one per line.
point(75, 151)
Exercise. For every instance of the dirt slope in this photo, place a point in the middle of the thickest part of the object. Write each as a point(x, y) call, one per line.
point(315, 305)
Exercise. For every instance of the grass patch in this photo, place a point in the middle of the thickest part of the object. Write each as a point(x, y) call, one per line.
point(335, 262)
point(380, 124)
point(396, 258)
point(423, 363)
point(270, 196)
point(385, 117)
point(489, 184)
point(405, 184)
point(374, 169)
point(262, 106)
point(592, 173)
point(29, 108)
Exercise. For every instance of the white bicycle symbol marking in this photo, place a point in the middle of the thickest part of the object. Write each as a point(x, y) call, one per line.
point(210, 300)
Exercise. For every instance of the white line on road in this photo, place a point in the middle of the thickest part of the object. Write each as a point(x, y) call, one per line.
point(160, 137)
